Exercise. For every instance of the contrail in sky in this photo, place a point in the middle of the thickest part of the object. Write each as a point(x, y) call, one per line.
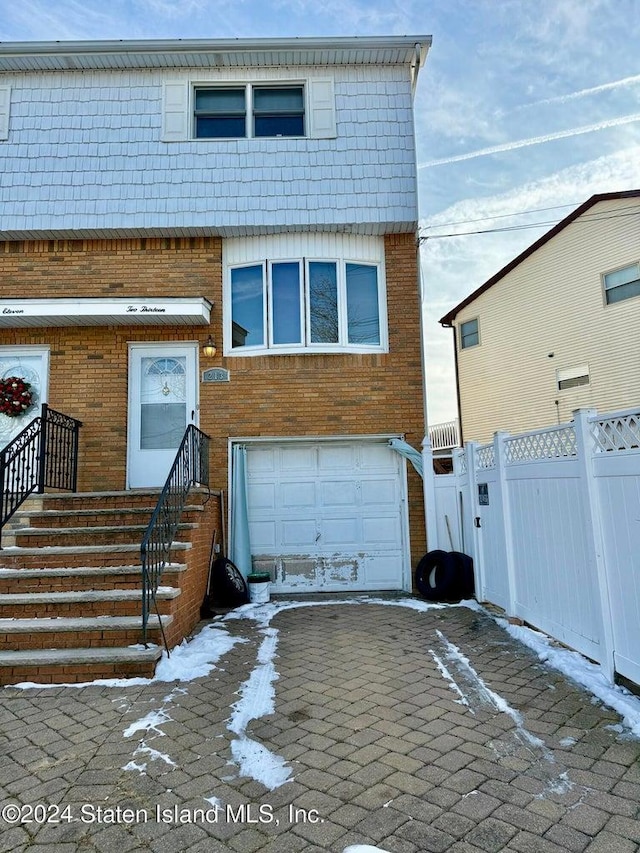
point(534, 140)
point(582, 93)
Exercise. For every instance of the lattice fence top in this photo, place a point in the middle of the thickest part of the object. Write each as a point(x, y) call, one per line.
point(485, 457)
point(620, 432)
point(547, 444)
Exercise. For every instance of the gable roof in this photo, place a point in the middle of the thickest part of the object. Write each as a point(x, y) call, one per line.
point(213, 53)
point(587, 205)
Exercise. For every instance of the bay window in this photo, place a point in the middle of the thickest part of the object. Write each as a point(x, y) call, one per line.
point(305, 305)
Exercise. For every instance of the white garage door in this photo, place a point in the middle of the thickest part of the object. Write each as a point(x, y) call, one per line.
point(328, 516)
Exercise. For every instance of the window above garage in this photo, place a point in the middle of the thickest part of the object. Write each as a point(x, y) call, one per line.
point(294, 303)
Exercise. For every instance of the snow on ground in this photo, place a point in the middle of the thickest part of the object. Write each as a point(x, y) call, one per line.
point(577, 668)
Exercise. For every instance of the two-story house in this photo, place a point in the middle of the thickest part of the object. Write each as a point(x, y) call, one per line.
point(557, 328)
point(223, 233)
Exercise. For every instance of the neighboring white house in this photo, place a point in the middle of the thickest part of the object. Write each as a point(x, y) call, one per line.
point(557, 328)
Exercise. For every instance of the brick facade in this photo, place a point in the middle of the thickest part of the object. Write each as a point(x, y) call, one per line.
point(288, 395)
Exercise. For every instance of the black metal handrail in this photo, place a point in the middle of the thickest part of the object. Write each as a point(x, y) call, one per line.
point(190, 466)
point(43, 455)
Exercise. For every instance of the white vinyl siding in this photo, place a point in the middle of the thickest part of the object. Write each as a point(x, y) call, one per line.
point(548, 314)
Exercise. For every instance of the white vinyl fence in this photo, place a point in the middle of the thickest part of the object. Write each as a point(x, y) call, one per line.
point(552, 521)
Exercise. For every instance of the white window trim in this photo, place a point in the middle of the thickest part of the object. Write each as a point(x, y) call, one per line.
point(178, 107)
point(306, 348)
point(5, 109)
point(606, 289)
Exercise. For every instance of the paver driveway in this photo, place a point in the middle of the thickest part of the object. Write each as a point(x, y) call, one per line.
point(406, 730)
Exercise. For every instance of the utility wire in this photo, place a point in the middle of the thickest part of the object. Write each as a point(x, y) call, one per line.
point(584, 219)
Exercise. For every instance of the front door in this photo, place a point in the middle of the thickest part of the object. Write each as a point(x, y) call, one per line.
point(32, 365)
point(162, 403)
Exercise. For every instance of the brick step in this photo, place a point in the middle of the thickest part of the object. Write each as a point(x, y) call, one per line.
point(48, 537)
point(76, 666)
point(106, 500)
point(80, 555)
point(116, 516)
point(86, 603)
point(81, 578)
point(77, 633)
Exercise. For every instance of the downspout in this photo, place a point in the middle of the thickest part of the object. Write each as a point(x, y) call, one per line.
point(428, 478)
point(455, 361)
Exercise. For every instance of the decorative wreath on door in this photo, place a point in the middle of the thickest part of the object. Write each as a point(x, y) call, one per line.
point(15, 396)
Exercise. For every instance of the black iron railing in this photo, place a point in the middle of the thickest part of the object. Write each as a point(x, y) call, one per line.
point(190, 466)
point(43, 455)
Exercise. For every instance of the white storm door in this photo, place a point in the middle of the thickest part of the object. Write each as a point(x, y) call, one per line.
point(162, 403)
point(31, 364)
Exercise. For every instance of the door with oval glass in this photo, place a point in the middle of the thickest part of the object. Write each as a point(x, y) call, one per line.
point(31, 364)
point(162, 403)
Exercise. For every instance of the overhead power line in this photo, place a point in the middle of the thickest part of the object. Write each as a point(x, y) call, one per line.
point(584, 219)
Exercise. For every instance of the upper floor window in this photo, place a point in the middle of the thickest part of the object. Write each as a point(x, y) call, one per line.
point(295, 305)
point(622, 284)
point(469, 334)
point(251, 110)
point(234, 109)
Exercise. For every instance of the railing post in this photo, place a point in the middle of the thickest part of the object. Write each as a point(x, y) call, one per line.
point(42, 455)
point(594, 536)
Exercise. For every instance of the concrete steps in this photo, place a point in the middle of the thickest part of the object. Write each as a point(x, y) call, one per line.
point(71, 588)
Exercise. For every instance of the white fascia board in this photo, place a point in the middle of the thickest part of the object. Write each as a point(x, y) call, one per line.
point(168, 311)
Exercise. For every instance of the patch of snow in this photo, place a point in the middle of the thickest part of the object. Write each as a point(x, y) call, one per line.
point(133, 765)
point(196, 658)
point(150, 723)
point(257, 762)
point(490, 696)
point(363, 848)
point(568, 741)
point(579, 669)
point(154, 754)
point(452, 683)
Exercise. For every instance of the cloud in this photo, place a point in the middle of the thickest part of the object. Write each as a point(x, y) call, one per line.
point(534, 140)
point(583, 93)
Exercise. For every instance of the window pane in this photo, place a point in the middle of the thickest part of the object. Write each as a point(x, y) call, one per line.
point(278, 111)
point(247, 307)
point(323, 302)
point(285, 291)
point(363, 316)
point(221, 127)
point(162, 425)
point(220, 100)
point(279, 125)
point(278, 100)
point(624, 276)
point(469, 336)
point(623, 291)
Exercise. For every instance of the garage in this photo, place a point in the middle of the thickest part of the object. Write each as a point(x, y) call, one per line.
point(328, 515)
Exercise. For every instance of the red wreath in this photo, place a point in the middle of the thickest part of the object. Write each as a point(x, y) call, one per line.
point(15, 396)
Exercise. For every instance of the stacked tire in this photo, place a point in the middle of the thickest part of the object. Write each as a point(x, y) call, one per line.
point(445, 576)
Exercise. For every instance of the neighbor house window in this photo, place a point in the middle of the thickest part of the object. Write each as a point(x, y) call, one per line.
point(622, 284)
point(299, 304)
point(228, 112)
point(572, 377)
point(469, 334)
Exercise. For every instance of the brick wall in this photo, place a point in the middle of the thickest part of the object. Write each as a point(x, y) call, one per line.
point(293, 395)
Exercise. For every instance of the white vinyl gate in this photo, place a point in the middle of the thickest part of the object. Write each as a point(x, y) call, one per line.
point(552, 520)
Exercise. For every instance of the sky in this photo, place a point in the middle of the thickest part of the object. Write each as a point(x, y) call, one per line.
point(524, 109)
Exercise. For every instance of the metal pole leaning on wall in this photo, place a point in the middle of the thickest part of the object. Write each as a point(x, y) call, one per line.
point(595, 539)
point(429, 491)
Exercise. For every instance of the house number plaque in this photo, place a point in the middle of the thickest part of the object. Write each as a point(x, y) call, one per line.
point(215, 374)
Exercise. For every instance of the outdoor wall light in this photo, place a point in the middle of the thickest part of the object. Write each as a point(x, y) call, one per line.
point(209, 348)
